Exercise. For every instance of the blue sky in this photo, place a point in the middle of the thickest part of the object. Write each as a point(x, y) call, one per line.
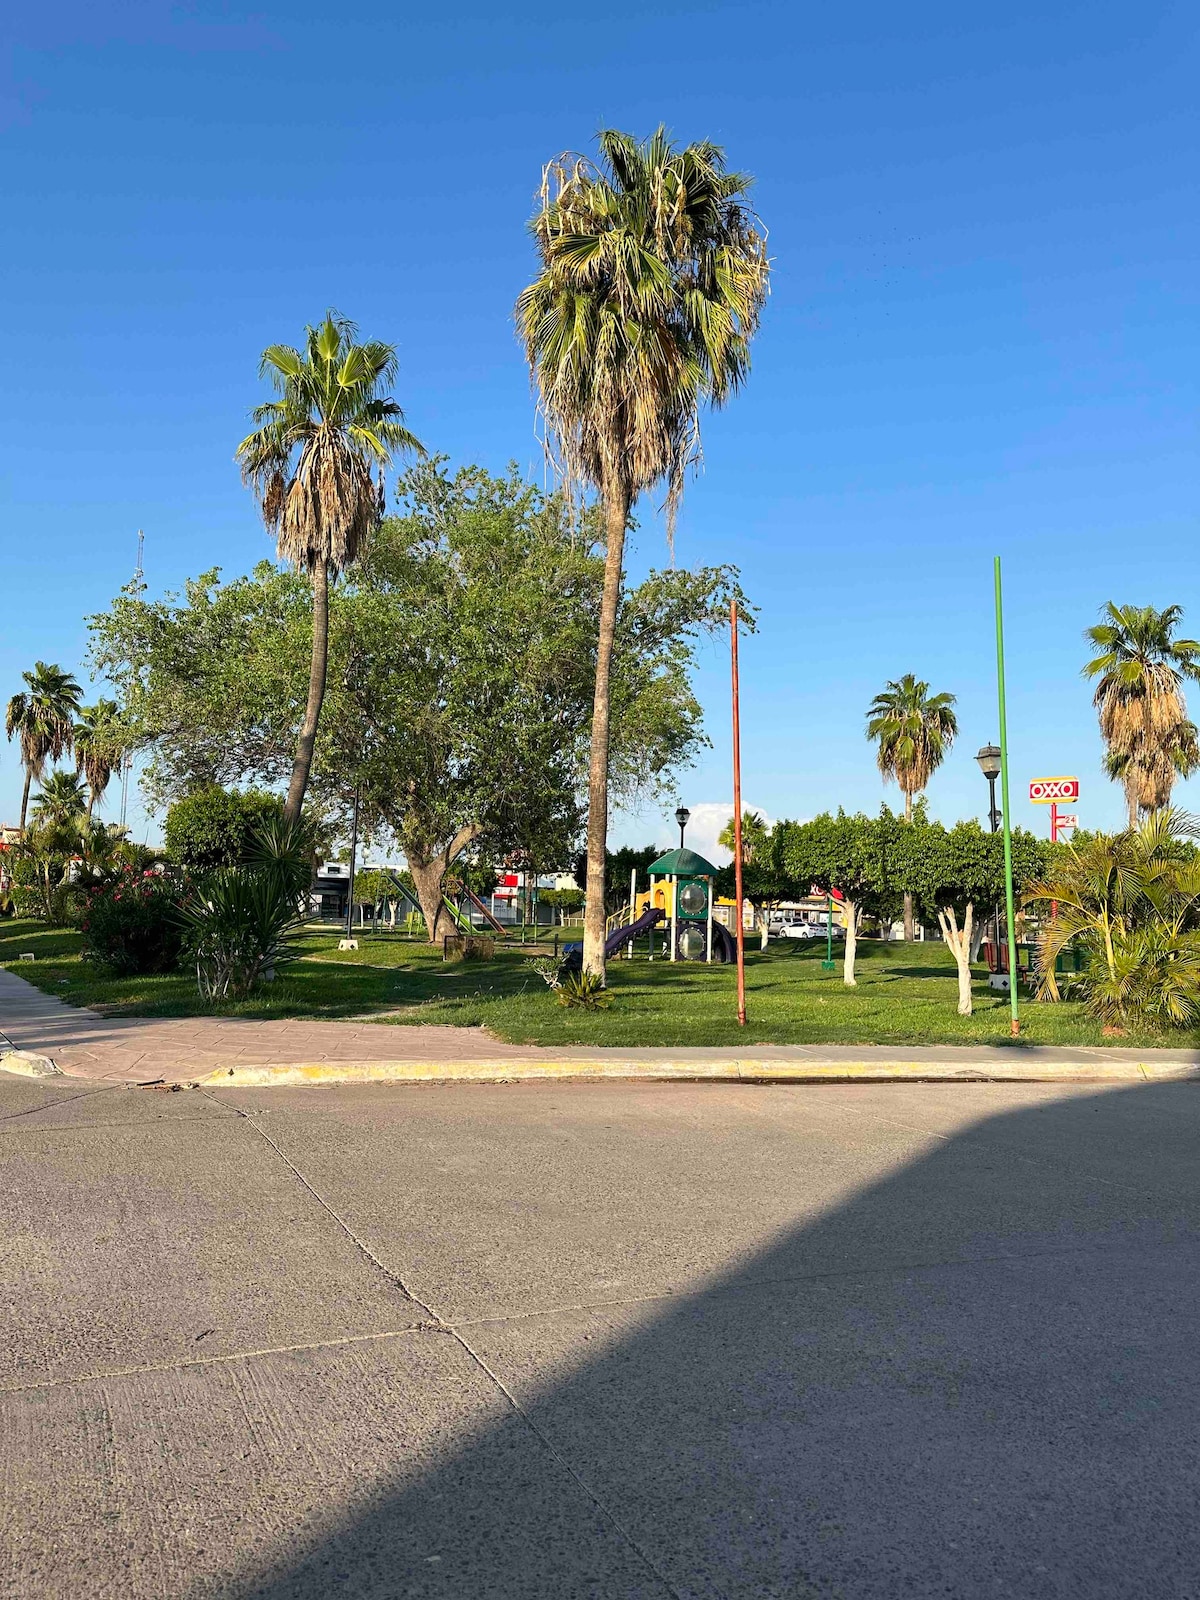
point(981, 338)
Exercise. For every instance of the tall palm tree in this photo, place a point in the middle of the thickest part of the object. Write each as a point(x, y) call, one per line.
point(42, 718)
point(1141, 666)
point(311, 461)
point(98, 749)
point(653, 273)
point(913, 731)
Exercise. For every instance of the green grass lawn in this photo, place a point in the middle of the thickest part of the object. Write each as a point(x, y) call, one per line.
point(905, 995)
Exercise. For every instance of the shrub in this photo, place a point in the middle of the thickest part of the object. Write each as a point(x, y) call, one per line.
point(238, 926)
point(215, 827)
point(582, 991)
point(131, 924)
point(1129, 903)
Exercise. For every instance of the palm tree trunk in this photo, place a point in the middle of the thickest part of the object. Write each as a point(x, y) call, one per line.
point(616, 505)
point(25, 798)
point(302, 765)
point(909, 929)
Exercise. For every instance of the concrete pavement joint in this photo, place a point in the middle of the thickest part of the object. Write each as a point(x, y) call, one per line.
point(441, 1326)
point(84, 1094)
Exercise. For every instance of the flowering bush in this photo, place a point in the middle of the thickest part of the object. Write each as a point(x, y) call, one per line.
point(131, 924)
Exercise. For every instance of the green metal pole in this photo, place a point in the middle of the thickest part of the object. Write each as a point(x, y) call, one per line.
point(1015, 1023)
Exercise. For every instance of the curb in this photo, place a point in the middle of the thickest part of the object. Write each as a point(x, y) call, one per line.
point(740, 1070)
point(28, 1065)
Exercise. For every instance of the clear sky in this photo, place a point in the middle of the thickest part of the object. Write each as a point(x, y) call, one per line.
point(981, 337)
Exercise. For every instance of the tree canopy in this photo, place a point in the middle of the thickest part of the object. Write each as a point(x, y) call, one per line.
point(459, 686)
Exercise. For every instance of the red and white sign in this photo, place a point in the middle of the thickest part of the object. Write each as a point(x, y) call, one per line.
point(1048, 791)
point(1066, 819)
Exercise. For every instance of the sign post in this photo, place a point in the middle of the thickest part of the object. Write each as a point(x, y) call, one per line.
point(1048, 792)
point(1015, 1022)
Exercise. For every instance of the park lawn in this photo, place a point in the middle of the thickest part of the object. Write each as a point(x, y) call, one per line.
point(905, 995)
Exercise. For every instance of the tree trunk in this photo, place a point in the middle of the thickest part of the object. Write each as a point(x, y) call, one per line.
point(852, 912)
point(25, 798)
point(429, 869)
point(959, 942)
point(429, 878)
point(616, 508)
point(908, 899)
point(765, 913)
point(302, 765)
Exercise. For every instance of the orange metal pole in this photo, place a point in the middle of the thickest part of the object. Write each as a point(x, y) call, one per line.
point(737, 819)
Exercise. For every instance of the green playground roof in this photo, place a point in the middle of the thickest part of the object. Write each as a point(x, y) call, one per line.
point(682, 864)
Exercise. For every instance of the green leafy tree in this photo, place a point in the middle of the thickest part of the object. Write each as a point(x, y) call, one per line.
point(312, 462)
point(42, 720)
point(1140, 667)
point(653, 273)
point(459, 683)
point(764, 883)
point(214, 827)
point(913, 731)
point(956, 875)
point(99, 747)
point(852, 854)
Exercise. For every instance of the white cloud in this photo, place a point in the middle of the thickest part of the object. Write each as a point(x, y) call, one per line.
point(708, 819)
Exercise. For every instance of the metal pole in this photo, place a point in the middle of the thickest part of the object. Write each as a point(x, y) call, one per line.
point(737, 816)
point(829, 931)
point(353, 853)
point(632, 903)
point(1014, 1023)
point(994, 820)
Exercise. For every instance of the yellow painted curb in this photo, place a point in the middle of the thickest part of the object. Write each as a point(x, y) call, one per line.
point(740, 1069)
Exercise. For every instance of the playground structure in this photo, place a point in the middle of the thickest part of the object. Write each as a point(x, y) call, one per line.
point(680, 895)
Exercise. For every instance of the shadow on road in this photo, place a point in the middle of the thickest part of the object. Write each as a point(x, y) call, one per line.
point(977, 1377)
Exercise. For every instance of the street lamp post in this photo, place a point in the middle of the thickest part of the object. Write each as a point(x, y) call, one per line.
point(681, 817)
point(989, 764)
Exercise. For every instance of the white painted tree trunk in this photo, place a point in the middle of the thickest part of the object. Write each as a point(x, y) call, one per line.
point(959, 942)
point(852, 915)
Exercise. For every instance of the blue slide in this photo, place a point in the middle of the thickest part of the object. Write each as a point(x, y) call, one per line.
point(620, 937)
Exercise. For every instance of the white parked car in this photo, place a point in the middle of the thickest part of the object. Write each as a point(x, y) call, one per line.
point(804, 930)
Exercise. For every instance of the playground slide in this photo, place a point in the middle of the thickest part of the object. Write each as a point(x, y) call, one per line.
point(462, 923)
point(724, 943)
point(484, 912)
point(620, 937)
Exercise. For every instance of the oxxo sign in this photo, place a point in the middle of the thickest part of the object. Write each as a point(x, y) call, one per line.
point(1050, 791)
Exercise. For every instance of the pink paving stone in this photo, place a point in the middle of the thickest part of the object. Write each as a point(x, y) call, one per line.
point(132, 1049)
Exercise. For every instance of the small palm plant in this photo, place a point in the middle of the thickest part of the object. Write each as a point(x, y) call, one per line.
point(1140, 668)
point(316, 462)
point(1130, 903)
point(914, 731)
point(653, 274)
point(42, 719)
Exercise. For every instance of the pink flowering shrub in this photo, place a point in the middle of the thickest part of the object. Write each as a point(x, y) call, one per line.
point(131, 924)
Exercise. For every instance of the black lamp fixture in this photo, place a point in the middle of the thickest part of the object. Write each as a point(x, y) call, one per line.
point(989, 764)
point(681, 817)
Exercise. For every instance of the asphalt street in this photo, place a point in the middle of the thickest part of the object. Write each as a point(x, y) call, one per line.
point(603, 1339)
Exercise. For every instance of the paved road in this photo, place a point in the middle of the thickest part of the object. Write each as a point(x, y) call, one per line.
point(600, 1340)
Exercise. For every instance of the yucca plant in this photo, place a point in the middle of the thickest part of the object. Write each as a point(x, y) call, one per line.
point(238, 927)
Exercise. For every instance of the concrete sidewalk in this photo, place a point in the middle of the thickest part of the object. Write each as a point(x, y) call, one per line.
point(236, 1052)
